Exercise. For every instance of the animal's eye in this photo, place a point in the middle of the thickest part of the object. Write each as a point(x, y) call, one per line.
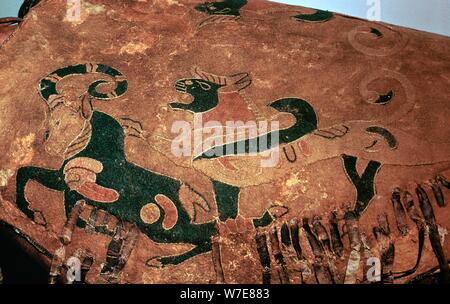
point(46, 135)
point(57, 123)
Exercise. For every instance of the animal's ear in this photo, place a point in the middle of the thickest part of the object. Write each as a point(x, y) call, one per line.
point(204, 85)
point(86, 106)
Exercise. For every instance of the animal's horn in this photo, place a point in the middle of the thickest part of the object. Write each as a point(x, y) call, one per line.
point(240, 80)
point(220, 80)
point(48, 85)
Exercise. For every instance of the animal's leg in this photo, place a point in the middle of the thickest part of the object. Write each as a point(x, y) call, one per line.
point(177, 259)
point(364, 184)
point(70, 199)
point(270, 215)
point(227, 199)
point(133, 127)
point(49, 178)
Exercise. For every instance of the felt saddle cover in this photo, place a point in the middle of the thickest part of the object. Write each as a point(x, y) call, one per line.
point(232, 141)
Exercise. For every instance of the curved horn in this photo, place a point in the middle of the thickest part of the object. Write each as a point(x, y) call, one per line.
point(238, 81)
point(48, 85)
point(220, 80)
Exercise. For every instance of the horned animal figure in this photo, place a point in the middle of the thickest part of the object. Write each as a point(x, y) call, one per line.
point(95, 169)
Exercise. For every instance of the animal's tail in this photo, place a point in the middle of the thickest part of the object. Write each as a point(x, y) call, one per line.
point(306, 122)
point(48, 85)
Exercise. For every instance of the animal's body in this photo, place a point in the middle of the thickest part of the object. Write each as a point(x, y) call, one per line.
point(303, 143)
point(136, 188)
point(119, 187)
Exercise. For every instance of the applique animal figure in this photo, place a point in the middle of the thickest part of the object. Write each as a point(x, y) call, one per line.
point(95, 169)
point(206, 100)
point(351, 140)
point(224, 11)
point(226, 7)
point(318, 16)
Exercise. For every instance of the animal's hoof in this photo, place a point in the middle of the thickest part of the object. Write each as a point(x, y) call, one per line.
point(278, 211)
point(154, 262)
point(39, 218)
point(236, 226)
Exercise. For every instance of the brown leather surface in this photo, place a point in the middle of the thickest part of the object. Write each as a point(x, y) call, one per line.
point(7, 27)
point(339, 67)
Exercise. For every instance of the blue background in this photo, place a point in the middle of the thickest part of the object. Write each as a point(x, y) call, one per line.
point(427, 15)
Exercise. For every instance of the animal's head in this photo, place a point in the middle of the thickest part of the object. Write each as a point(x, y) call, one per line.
point(208, 83)
point(65, 125)
point(197, 87)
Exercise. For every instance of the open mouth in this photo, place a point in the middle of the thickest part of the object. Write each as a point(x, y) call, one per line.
point(180, 87)
point(185, 98)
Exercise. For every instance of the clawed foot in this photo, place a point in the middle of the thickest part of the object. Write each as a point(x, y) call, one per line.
point(155, 262)
point(278, 211)
point(36, 216)
point(133, 127)
point(40, 219)
point(334, 132)
point(240, 226)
